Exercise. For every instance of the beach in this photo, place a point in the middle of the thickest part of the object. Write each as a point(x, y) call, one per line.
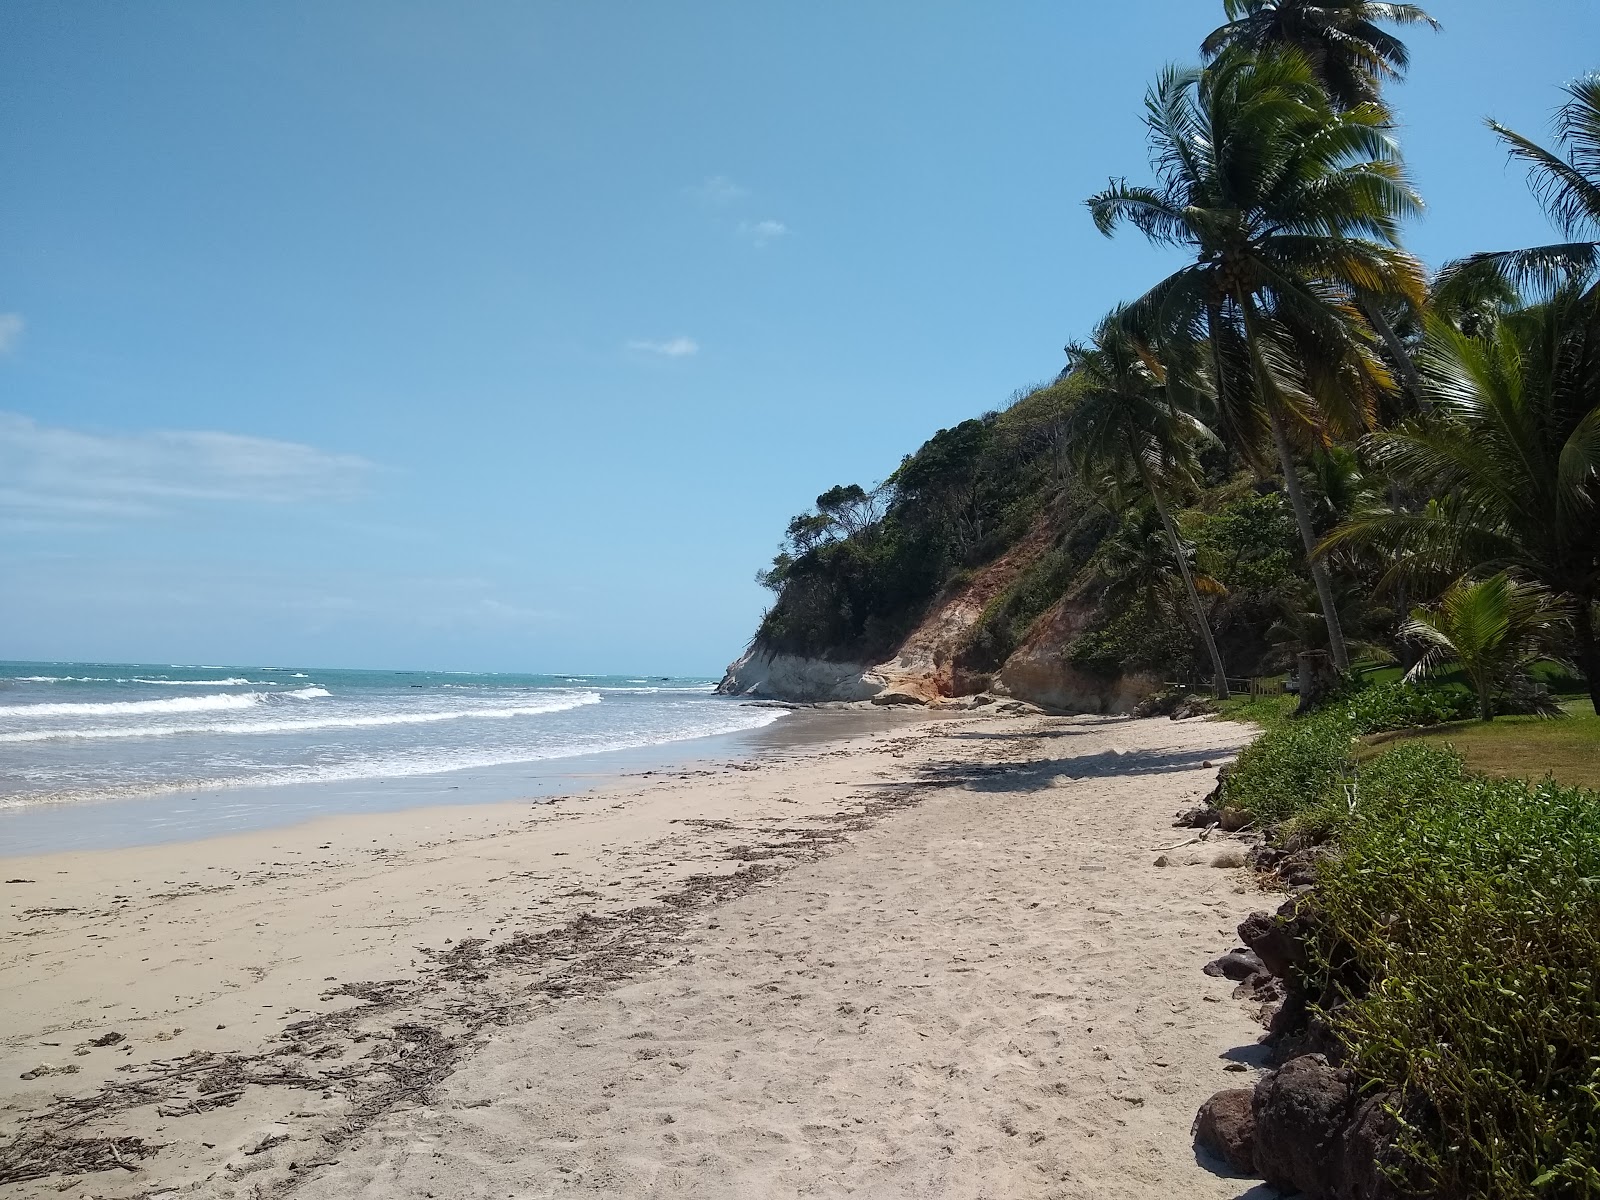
point(928, 957)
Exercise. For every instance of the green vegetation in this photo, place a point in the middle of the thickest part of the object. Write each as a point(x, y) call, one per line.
point(1493, 630)
point(857, 573)
point(1462, 920)
point(1457, 929)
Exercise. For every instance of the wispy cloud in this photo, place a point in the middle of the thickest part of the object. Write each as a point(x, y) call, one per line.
point(11, 325)
point(719, 191)
point(762, 232)
point(678, 347)
point(53, 473)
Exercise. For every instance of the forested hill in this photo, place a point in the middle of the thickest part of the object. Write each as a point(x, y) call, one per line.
point(993, 540)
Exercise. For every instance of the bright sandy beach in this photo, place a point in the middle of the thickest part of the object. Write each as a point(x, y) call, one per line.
point(931, 960)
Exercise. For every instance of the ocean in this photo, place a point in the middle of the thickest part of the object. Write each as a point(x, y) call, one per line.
point(209, 749)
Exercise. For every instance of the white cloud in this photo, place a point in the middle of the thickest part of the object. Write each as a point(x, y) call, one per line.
point(762, 232)
point(10, 331)
point(678, 347)
point(719, 191)
point(54, 473)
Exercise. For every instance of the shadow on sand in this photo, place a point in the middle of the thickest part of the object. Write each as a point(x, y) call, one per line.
point(1036, 776)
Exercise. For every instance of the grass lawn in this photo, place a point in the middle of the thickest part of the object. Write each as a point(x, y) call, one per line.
point(1522, 747)
point(1265, 711)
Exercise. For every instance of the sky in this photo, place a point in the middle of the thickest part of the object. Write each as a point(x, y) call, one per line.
point(508, 336)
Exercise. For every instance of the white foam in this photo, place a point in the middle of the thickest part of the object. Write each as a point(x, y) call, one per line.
point(372, 721)
point(439, 763)
point(222, 701)
point(232, 681)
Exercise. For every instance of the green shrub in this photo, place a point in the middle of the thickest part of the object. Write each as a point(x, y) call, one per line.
point(1399, 705)
point(1463, 917)
point(1293, 766)
point(1301, 765)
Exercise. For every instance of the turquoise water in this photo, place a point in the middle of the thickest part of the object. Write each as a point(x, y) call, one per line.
point(86, 733)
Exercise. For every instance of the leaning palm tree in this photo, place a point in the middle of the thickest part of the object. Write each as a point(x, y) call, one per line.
point(1509, 451)
point(1567, 185)
point(1492, 629)
point(1124, 422)
point(1291, 210)
point(1342, 39)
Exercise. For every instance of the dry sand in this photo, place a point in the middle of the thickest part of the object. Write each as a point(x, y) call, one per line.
point(936, 962)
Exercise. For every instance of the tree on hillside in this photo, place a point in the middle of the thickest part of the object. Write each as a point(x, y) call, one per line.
point(1493, 629)
point(1568, 186)
point(1510, 453)
point(1124, 423)
point(1291, 209)
point(1343, 40)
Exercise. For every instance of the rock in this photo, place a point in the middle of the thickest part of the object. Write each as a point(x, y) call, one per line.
point(1288, 1020)
point(1300, 868)
point(887, 698)
point(1208, 764)
point(1264, 857)
point(1235, 965)
point(1301, 1112)
point(1163, 861)
point(1235, 819)
point(1261, 988)
point(1226, 1128)
point(1273, 940)
point(1317, 1037)
point(1197, 818)
point(1369, 1147)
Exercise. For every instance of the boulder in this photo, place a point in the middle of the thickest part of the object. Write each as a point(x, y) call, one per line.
point(1369, 1148)
point(1276, 938)
point(1236, 965)
point(1301, 1111)
point(1197, 818)
point(1300, 868)
point(1225, 1128)
point(907, 698)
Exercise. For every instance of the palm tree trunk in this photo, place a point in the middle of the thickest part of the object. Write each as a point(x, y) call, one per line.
point(1308, 535)
point(1588, 650)
point(1409, 376)
point(1219, 675)
point(1291, 483)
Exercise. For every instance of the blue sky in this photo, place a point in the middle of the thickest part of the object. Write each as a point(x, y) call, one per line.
point(509, 335)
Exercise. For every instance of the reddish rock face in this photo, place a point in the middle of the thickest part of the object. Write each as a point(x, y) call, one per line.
point(1226, 1129)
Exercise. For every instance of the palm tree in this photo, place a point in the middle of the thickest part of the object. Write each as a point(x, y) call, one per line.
point(1510, 453)
point(1123, 421)
point(1493, 629)
point(1291, 210)
point(1569, 189)
point(1341, 39)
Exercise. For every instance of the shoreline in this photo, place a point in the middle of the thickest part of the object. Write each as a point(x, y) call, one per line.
point(183, 816)
point(269, 989)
